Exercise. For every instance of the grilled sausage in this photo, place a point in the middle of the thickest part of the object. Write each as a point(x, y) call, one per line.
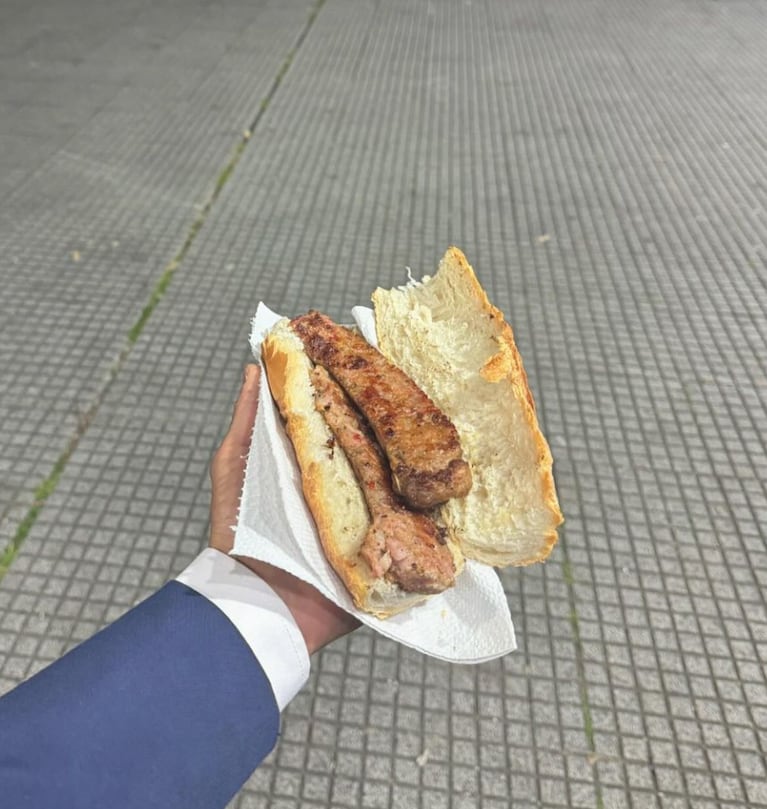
point(404, 546)
point(419, 440)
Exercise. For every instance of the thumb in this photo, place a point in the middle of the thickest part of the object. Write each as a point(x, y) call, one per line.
point(227, 470)
point(238, 437)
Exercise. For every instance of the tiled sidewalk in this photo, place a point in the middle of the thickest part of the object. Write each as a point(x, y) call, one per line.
point(602, 164)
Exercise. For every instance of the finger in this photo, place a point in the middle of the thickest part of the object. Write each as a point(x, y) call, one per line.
point(245, 408)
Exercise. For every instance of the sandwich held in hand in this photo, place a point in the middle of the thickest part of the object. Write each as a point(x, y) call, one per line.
point(420, 454)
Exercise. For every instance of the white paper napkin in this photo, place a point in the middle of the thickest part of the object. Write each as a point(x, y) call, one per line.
point(469, 623)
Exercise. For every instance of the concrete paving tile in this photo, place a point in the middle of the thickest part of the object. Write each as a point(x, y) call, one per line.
point(598, 166)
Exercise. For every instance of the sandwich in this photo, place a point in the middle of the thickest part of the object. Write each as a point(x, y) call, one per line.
point(421, 453)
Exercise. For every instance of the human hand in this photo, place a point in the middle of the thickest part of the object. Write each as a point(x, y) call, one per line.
point(319, 619)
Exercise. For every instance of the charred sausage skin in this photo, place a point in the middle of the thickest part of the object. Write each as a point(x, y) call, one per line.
point(404, 546)
point(419, 440)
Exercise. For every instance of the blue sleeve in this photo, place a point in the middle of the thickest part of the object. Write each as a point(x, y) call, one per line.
point(167, 708)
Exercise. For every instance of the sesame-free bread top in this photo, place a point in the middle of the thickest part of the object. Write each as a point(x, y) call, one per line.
point(445, 333)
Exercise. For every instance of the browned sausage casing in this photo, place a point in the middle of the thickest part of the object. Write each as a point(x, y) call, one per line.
point(420, 441)
point(402, 545)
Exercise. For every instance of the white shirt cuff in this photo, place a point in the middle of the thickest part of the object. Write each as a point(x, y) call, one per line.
point(258, 614)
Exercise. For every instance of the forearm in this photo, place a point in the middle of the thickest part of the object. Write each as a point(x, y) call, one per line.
point(167, 707)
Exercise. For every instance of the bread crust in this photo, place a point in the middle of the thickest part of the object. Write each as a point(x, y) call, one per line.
point(403, 317)
point(507, 364)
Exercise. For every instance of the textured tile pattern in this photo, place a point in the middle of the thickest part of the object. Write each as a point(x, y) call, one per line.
point(113, 136)
point(601, 164)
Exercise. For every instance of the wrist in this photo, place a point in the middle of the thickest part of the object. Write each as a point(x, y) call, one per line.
point(283, 584)
point(318, 619)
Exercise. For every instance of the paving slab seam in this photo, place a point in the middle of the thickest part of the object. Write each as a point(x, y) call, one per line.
point(593, 756)
point(583, 688)
point(49, 483)
point(671, 354)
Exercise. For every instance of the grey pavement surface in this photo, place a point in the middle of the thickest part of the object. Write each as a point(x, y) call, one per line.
point(602, 164)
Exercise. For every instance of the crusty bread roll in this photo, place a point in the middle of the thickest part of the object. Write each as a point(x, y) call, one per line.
point(329, 483)
point(446, 335)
